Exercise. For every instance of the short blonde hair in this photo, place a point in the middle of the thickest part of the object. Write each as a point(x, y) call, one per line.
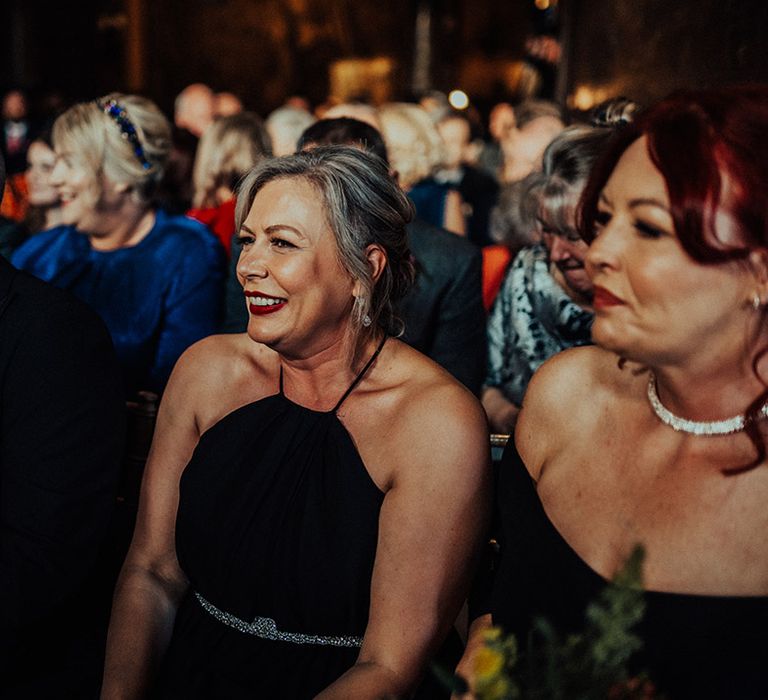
point(228, 149)
point(414, 145)
point(98, 140)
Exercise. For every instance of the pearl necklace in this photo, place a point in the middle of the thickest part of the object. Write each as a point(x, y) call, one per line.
point(693, 427)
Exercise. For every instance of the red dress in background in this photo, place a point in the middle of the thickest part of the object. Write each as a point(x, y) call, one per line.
point(221, 220)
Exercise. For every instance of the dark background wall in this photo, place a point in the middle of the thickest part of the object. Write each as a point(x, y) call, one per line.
point(266, 50)
point(646, 48)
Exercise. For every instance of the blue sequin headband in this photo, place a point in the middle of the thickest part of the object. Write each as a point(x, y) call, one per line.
point(112, 108)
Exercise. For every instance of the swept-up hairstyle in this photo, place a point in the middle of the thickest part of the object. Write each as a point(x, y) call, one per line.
point(363, 206)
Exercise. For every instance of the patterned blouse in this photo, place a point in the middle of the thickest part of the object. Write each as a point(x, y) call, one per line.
point(531, 320)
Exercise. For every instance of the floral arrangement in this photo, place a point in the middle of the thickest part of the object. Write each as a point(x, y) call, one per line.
point(591, 665)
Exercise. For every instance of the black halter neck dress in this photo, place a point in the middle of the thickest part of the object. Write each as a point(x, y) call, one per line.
point(276, 530)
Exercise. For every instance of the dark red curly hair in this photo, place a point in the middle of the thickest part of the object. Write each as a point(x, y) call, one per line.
point(711, 148)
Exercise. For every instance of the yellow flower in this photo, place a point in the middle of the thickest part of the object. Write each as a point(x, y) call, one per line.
point(488, 663)
point(498, 690)
point(491, 634)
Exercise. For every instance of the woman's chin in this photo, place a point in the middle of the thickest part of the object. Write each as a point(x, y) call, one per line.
point(608, 340)
point(257, 335)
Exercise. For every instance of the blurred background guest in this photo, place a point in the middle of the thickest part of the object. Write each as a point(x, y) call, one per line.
point(44, 202)
point(416, 153)
point(194, 110)
point(155, 279)
point(536, 123)
point(544, 305)
point(514, 226)
point(15, 131)
point(479, 191)
point(501, 121)
point(42, 205)
point(227, 104)
point(228, 149)
point(61, 436)
point(360, 111)
point(658, 435)
point(285, 125)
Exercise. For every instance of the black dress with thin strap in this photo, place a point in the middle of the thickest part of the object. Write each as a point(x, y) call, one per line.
point(276, 530)
point(695, 646)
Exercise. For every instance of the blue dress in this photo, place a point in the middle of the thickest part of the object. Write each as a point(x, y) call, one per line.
point(429, 197)
point(157, 297)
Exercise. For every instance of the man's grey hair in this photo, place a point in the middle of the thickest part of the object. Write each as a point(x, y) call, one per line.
point(363, 206)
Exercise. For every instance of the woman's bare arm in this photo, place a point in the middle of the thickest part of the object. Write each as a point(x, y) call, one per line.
point(502, 413)
point(151, 583)
point(431, 526)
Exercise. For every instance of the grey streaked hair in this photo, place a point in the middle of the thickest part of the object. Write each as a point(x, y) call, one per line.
point(532, 109)
point(513, 219)
point(363, 206)
point(97, 140)
point(567, 163)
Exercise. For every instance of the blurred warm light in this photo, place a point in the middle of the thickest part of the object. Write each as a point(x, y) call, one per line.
point(369, 79)
point(478, 74)
point(542, 4)
point(458, 99)
point(587, 96)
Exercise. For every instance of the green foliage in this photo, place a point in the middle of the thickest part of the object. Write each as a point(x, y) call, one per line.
point(591, 665)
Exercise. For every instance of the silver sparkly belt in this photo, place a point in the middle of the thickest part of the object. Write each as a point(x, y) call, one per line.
point(266, 628)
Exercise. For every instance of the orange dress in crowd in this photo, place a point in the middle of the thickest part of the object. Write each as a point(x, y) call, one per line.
point(14, 198)
point(496, 259)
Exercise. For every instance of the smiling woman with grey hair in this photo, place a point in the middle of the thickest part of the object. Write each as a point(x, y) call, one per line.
point(360, 213)
point(317, 489)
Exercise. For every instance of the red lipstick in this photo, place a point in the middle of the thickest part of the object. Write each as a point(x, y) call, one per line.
point(274, 303)
point(602, 299)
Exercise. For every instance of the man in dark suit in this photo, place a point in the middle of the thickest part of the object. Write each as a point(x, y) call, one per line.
point(61, 435)
point(443, 313)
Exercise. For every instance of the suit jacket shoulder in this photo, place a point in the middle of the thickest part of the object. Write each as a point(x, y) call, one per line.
point(61, 425)
point(443, 313)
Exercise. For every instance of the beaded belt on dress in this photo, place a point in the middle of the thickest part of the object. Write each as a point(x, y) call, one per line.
point(266, 628)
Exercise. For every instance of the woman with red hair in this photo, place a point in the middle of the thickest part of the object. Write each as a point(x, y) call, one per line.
point(659, 437)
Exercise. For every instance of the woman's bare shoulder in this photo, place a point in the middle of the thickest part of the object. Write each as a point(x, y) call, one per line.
point(219, 374)
point(430, 389)
point(435, 417)
point(574, 375)
point(565, 400)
